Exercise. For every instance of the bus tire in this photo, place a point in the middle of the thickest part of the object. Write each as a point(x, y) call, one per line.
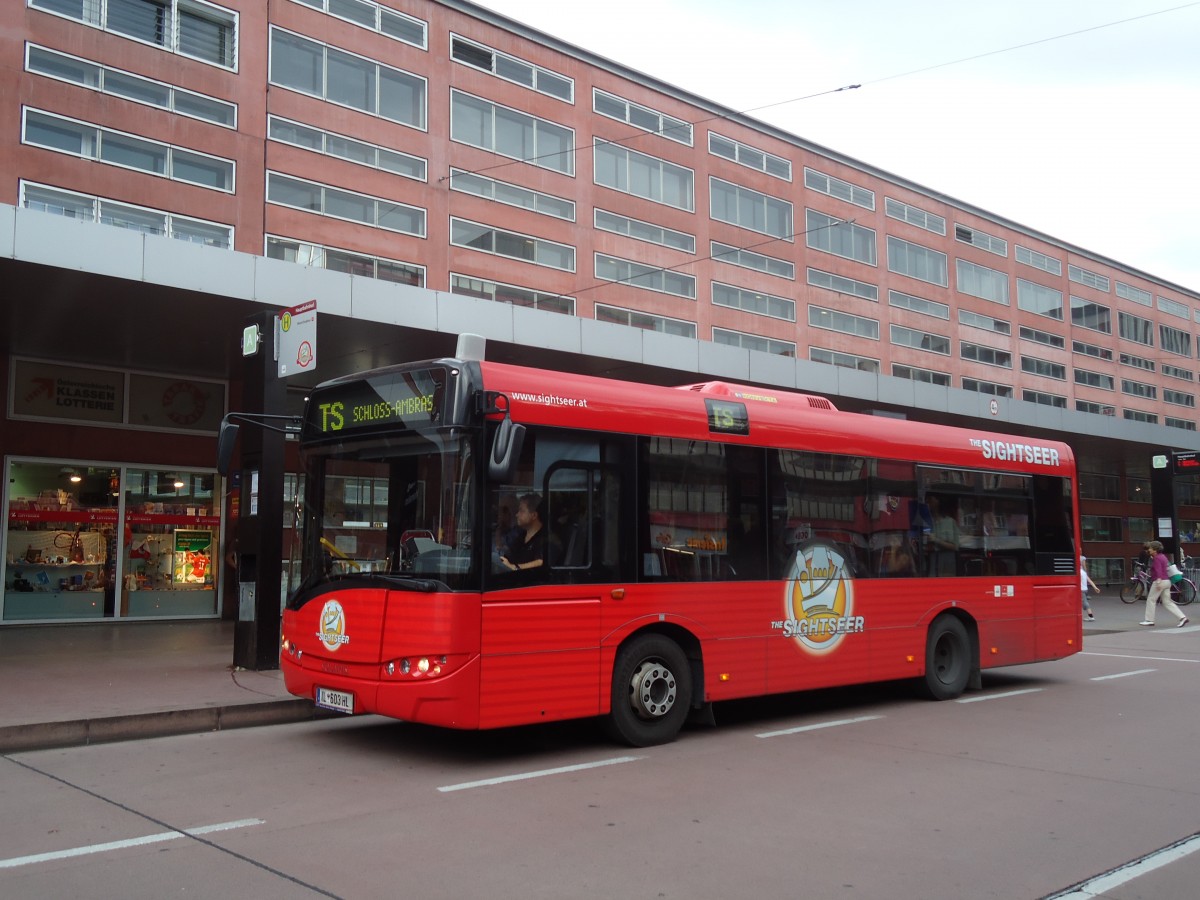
point(948, 660)
point(651, 691)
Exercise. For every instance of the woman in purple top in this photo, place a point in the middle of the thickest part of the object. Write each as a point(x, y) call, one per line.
point(1160, 587)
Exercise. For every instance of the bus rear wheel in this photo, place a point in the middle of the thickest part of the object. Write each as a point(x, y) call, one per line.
point(947, 659)
point(651, 691)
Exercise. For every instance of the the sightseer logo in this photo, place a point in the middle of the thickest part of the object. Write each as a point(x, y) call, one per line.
point(818, 602)
point(332, 631)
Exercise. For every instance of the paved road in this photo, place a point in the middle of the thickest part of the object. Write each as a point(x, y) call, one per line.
point(1052, 777)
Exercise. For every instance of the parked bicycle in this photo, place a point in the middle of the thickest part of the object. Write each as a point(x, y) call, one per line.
point(1135, 590)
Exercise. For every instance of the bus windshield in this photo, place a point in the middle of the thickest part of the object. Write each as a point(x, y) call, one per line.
point(389, 510)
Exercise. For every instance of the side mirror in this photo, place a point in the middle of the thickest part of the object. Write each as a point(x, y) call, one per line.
point(506, 450)
point(226, 438)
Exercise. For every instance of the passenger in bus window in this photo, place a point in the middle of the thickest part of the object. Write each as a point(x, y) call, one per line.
point(894, 559)
point(532, 547)
point(943, 540)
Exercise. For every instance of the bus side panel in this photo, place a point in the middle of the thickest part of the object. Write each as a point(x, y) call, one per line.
point(540, 660)
point(1060, 620)
point(417, 624)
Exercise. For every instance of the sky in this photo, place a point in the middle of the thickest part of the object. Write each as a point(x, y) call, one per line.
point(1079, 120)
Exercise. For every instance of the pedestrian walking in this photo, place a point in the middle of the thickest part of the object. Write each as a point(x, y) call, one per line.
point(1085, 582)
point(1160, 587)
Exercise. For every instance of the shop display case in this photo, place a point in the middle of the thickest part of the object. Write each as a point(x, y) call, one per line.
point(60, 558)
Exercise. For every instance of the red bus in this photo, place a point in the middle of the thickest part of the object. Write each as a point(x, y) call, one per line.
point(694, 544)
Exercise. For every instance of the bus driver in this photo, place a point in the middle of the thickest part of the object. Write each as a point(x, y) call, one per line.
point(528, 550)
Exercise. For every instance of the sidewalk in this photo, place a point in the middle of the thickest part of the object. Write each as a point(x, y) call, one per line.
point(67, 685)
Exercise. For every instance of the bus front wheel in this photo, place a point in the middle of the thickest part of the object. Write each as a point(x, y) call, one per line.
point(947, 659)
point(651, 691)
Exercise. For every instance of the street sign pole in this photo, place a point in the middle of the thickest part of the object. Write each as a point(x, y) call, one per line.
point(260, 508)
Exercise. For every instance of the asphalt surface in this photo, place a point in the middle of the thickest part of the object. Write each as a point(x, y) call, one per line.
point(71, 685)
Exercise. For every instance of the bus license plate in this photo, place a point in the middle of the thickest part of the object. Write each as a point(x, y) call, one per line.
point(338, 701)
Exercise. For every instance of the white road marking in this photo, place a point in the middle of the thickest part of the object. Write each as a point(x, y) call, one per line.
point(1121, 875)
point(121, 845)
point(998, 696)
point(1123, 674)
point(1147, 658)
point(834, 724)
point(504, 779)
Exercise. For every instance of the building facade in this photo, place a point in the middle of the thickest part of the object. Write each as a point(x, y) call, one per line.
point(173, 166)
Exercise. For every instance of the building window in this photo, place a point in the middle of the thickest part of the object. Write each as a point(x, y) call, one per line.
point(644, 231)
point(642, 175)
point(980, 239)
point(1174, 308)
point(1100, 528)
point(840, 238)
point(1095, 379)
point(1137, 362)
point(1091, 279)
point(844, 323)
point(914, 216)
point(1137, 295)
point(510, 68)
point(1175, 341)
point(753, 342)
point(1137, 415)
point(1043, 337)
point(1092, 350)
point(920, 340)
point(319, 257)
point(750, 209)
point(918, 305)
point(649, 278)
point(925, 376)
point(107, 80)
point(642, 117)
point(1043, 368)
point(194, 28)
point(1170, 371)
point(645, 321)
point(987, 355)
point(1135, 328)
point(349, 149)
point(483, 124)
point(1038, 260)
point(1087, 314)
point(512, 245)
point(116, 148)
point(843, 360)
point(1179, 398)
point(336, 203)
point(507, 293)
point(356, 82)
point(980, 281)
point(1039, 299)
point(751, 157)
point(842, 285)
point(511, 194)
point(753, 302)
point(985, 323)
point(1098, 409)
point(1139, 389)
point(372, 16)
point(835, 187)
point(918, 262)
point(90, 208)
point(1043, 399)
point(748, 259)
point(1185, 424)
point(987, 387)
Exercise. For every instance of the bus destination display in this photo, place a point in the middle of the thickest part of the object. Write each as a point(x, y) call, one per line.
point(403, 399)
